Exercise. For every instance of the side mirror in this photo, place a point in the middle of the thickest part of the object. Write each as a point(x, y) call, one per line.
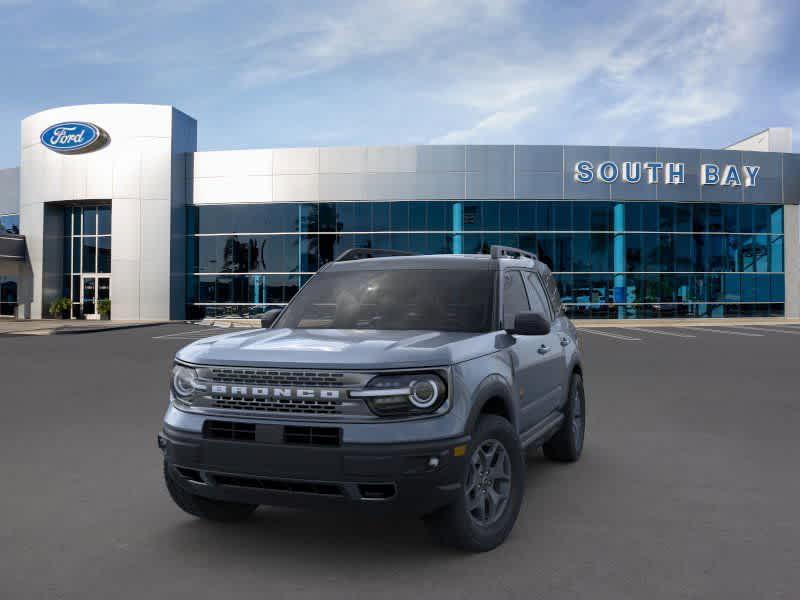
point(530, 323)
point(268, 318)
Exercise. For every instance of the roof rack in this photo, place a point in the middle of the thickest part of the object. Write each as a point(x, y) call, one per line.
point(510, 252)
point(360, 253)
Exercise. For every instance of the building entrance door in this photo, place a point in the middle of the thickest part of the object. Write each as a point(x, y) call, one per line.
point(94, 289)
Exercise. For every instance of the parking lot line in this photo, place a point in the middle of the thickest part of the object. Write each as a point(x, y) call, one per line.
point(729, 331)
point(616, 336)
point(191, 334)
point(660, 332)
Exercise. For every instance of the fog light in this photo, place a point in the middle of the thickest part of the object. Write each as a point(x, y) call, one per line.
point(433, 462)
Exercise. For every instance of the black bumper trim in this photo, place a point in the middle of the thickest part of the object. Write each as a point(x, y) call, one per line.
point(355, 475)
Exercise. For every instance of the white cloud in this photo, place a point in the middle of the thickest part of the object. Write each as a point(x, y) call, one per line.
point(501, 121)
point(332, 35)
point(675, 65)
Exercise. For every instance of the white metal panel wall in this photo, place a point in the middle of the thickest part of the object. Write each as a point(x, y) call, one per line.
point(135, 172)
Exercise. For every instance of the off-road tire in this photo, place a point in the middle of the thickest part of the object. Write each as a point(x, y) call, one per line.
point(455, 525)
point(567, 443)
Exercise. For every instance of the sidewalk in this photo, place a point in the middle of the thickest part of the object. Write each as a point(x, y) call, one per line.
point(60, 327)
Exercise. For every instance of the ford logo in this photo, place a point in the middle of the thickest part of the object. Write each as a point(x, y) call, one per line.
point(74, 137)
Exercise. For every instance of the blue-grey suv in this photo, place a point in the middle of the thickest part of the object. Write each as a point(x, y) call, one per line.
point(389, 382)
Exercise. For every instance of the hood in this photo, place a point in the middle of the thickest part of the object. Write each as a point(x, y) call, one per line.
point(337, 348)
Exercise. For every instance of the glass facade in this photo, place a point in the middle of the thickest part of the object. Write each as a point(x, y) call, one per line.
point(87, 257)
point(8, 296)
point(9, 224)
point(611, 259)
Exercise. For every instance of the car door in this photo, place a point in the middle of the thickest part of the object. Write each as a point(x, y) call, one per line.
point(531, 355)
point(555, 372)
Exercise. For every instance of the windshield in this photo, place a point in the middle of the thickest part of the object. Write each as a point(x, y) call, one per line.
point(428, 299)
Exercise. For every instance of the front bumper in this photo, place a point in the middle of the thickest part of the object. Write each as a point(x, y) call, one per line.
point(415, 478)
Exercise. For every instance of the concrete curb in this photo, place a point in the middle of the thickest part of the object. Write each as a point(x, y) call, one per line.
point(67, 330)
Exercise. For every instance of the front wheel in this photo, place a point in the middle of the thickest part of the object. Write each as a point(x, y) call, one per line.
point(493, 486)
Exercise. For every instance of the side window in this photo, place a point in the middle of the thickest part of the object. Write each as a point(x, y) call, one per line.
point(515, 300)
point(551, 287)
point(538, 298)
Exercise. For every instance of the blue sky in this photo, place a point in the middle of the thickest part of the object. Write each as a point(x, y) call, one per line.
point(298, 73)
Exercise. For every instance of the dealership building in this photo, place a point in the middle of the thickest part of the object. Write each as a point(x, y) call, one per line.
point(112, 203)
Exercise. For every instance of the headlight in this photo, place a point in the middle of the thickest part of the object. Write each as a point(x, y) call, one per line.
point(404, 394)
point(184, 383)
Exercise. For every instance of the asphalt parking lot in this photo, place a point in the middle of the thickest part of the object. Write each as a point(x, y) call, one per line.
point(688, 486)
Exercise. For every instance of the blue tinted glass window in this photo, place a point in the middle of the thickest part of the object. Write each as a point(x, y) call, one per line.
point(399, 216)
point(89, 221)
point(417, 216)
point(327, 217)
point(666, 216)
point(544, 216)
point(761, 219)
point(89, 254)
point(633, 252)
point(362, 216)
point(649, 216)
point(380, 216)
point(746, 218)
point(714, 223)
point(581, 252)
point(9, 224)
point(472, 216)
point(633, 216)
point(104, 220)
point(563, 252)
point(683, 217)
point(581, 216)
point(509, 215)
point(776, 219)
point(730, 217)
point(104, 254)
point(527, 216)
point(527, 242)
point(491, 215)
point(699, 218)
point(440, 218)
point(777, 289)
point(776, 254)
point(562, 216)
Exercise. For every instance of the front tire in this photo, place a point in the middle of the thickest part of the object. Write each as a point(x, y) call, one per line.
point(493, 486)
point(205, 508)
point(567, 443)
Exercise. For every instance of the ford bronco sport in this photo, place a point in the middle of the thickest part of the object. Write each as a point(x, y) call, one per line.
point(390, 381)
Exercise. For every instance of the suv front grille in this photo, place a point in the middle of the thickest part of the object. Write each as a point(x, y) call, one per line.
point(278, 405)
point(232, 389)
point(269, 377)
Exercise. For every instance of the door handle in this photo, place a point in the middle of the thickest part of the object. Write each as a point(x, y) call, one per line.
point(565, 341)
point(543, 349)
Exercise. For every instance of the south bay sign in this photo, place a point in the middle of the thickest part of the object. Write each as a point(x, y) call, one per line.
point(665, 172)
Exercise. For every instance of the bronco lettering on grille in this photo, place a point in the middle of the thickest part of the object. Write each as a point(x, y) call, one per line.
point(274, 392)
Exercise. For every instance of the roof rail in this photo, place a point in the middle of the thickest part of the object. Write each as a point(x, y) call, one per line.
point(360, 253)
point(510, 252)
